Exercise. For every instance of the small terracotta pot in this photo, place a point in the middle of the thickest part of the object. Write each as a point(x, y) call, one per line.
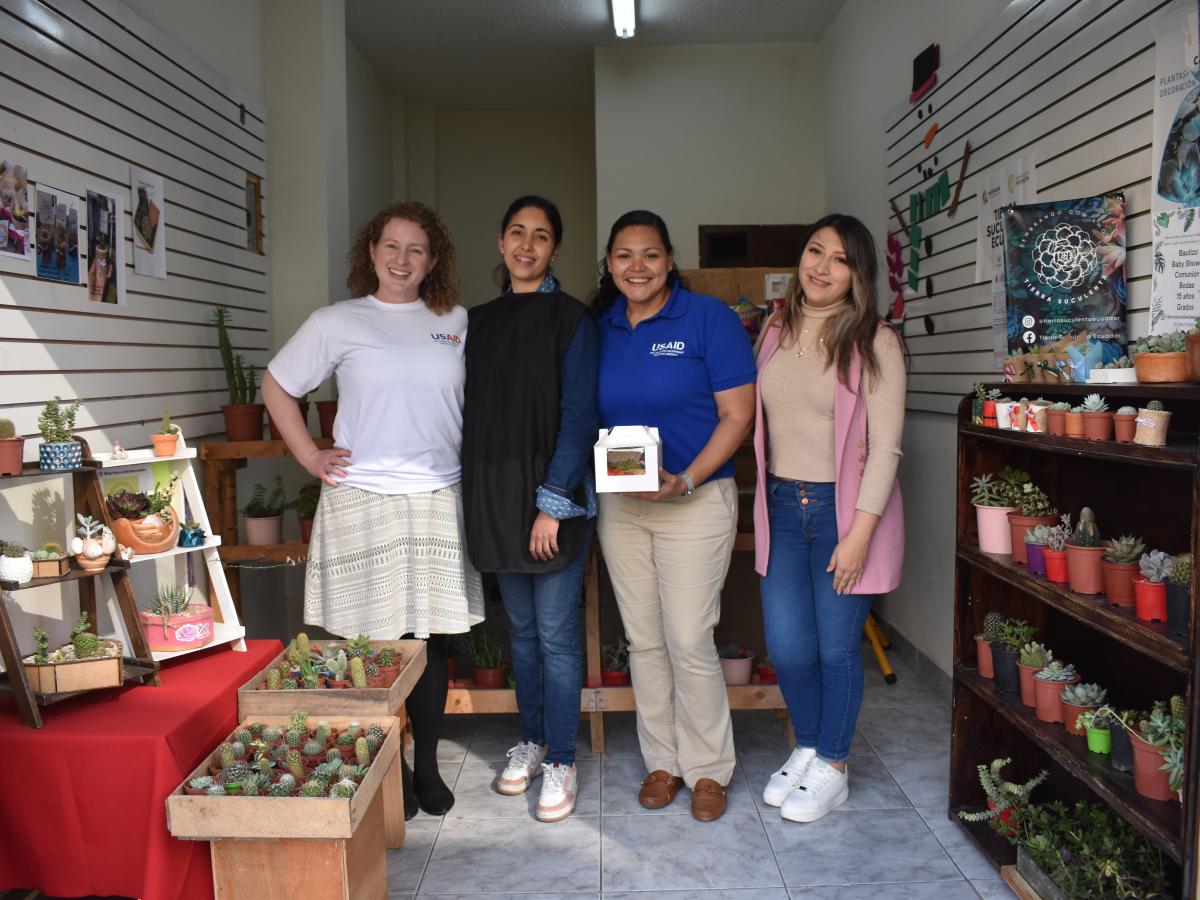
point(306, 530)
point(1028, 688)
point(326, 413)
point(1098, 426)
point(165, 444)
point(994, 534)
point(1124, 428)
point(983, 653)
point(1083, 565)
point(144, 536)
point(1048, 698)
point(1118, 582)
point(1056, 565)
point(1056, 422)
point(1179, 610)
point(1150, 600)
point(489, 678)
point(1019, 524)
point(243, 422)
point(1071, 714)
point(1035, 558)
point(1193, 357)
point(1148, 779)
point(1074, 422)
point(1159, 368)
point(12, 452)
point(265, 531)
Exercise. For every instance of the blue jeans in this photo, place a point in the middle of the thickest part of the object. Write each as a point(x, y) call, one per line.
point(813, 634)
point(547, 652)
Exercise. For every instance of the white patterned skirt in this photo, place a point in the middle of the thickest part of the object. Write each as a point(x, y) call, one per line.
point(391, 564)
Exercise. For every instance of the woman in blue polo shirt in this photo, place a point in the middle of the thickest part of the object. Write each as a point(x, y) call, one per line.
point(680, 362)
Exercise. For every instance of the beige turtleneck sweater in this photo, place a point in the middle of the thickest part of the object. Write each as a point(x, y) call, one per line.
point(797, 396)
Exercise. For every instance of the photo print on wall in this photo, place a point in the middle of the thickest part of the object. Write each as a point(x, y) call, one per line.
point(14, 210)
point(57, 229)
point(105, 247)
point(149, 237)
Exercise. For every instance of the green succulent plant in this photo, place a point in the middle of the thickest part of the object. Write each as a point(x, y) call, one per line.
point(201, 784)
point(387, 657)
point(993, 627)
point(359, 646)
point(375, 730)
point(1039, 535)
point(361, 753)
point(1084, 695)
point(1056, 671)
point(1156, 566)
point(1016, 633)
point(1125, 549)
point(312, 747)
point(1035, 654)
point(345, 739)
point(1095, 403)
point(7, 430)
point(41, 656)
point(358, 672)
point(312, 788)
point(1004, 795)
point(343, 789)
point(295, 764)
point(1181, 572)
point(1127, 411)
point(1086, 532)
point(1031, 500)
point(271, 734)
point(1155, 406)
point(279, 789)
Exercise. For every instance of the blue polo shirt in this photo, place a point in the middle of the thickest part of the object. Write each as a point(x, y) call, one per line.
point(664, 372)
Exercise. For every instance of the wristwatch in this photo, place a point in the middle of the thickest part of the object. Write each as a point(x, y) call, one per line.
point(687, 483)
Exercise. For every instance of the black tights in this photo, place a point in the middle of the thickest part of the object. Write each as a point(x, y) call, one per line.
point(426, 709)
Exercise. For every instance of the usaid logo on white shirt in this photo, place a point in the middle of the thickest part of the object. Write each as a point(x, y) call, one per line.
point(668, 348)
point(446, 340)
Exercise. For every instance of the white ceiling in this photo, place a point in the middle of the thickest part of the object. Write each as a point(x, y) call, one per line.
point(525, 53)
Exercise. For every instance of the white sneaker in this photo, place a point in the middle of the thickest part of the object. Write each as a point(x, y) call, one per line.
point(559, 785)
point(524, 765)
point(822, 789)
point(784, 781)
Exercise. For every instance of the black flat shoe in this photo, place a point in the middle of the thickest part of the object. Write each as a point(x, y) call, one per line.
point(410, 794)
point(433, 796)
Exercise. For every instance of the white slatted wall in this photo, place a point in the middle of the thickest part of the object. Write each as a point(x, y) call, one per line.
point(87, 88)
point(1073, 80)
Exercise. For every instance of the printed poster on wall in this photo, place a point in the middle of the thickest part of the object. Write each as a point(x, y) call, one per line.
point(105, 247)
point(1064, 267)
point(1009, 183)
point(1175, 200)
point(149, 237)
point(14, 211)
point(57, 222)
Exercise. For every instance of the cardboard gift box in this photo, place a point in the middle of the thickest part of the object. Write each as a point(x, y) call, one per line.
point(628, 458)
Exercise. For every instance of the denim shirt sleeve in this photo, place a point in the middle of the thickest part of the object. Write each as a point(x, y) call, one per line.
point(578, 423)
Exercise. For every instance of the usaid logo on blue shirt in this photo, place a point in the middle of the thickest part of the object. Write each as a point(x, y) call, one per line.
point(668, 348)
point(446, 340)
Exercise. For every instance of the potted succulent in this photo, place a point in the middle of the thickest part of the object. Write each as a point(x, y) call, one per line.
point(167, 437)
point(1079, 697)
point(993, 499)
point(1120, 564)
point(989, 407)
point(1124, 424)
point(1005, 800)
point(1035, 542)
point(1048, 686)
point(145, 520)
point(174, 623)
point(326, 416)
point(614, 664)
point(15, 563)
point(264, 515)
point(1037, 417)
point(1056, 418)
point(765, 669)
point(388, 663)
point(1018, 414)
point(1152, 424)
point(192, 534)
point(993, 630)
point(1033, 508)
point(274, 432)
point(243, 417)
point(1098, 374)
point(1074, 422)
point(85, 662)
point(1055, 551)
point(1097, 419)
point(1034, 657)
point(1179, 597)
point(736, 663)
point(487, 658)
point(982, 394)
point(1150, 590)
point(1098, 724)
point(12, 449)
point(1014, 635)
point(94, 545)
point(305, 505)
point(50, 562)
point(59, 451)
point(1160, 358)
point(1121, 371)
point(337, 668)
point(1084, 553)
point(1153, 739)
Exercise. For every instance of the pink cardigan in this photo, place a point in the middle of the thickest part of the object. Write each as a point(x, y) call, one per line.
point(885, 555)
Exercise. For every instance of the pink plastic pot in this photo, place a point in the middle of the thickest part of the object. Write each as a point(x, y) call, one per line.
point(186, 631)
point(995, 535)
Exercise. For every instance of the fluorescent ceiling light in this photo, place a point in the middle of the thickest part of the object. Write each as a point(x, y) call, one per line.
point(623, 22)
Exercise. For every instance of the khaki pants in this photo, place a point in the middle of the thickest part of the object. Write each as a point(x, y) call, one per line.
point(667, 562)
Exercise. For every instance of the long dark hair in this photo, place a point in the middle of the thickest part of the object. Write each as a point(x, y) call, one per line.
point(854, 327)
point(606, 290)
point(524, 202)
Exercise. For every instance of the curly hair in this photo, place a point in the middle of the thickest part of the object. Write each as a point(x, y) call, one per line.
point(439, 289)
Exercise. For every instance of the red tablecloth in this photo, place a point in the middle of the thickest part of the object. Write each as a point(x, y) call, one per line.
point(82, 800)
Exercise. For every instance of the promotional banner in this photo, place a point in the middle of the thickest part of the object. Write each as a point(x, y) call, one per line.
point(1009, 183)
point(149, 239)
point(1064, 270)
point(1175, 199)
point(57, 221)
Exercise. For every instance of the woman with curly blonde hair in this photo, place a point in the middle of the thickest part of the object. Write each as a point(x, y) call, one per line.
point(387, 553)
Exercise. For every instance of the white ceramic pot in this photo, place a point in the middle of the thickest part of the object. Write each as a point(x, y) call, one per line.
point(1002, 415)
point(16, 568)
point(1122, 376)
point(1099, 376)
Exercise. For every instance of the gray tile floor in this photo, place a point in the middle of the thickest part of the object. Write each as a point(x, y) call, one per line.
point(892, 840)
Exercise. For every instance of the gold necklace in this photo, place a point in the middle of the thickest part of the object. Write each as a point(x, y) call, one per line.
point(800, 348)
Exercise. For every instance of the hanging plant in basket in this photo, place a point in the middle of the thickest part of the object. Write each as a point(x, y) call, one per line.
point(145, 520)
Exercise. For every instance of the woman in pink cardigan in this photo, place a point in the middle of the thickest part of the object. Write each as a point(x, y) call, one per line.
point(829, 529)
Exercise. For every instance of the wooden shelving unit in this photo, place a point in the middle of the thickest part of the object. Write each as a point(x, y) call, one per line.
point(1152, 492)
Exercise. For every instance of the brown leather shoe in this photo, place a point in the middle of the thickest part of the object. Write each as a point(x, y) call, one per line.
point(708, 800)
point(659, 789)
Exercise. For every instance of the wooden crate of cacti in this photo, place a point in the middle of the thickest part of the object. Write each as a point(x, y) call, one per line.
point(318, 664)
point(299, 813)
point(85, 663)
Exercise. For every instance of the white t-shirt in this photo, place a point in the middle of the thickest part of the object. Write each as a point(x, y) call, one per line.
point(400, 377)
